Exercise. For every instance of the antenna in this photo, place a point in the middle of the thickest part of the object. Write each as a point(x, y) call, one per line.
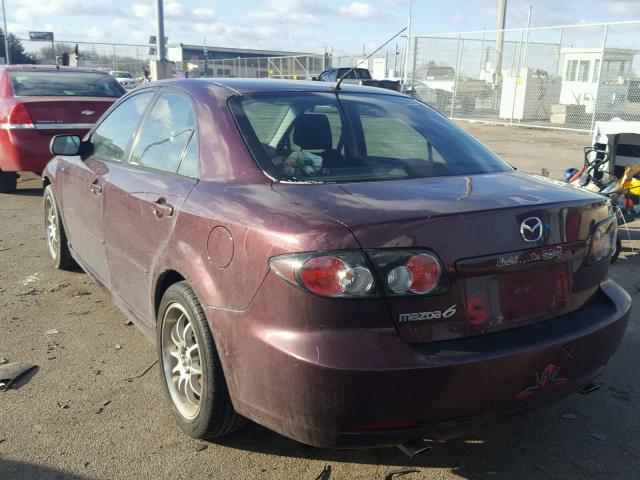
point(336, 87)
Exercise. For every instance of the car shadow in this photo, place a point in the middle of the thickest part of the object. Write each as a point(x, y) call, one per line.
point(524, 447)
point(29, 192)
point(21, 470)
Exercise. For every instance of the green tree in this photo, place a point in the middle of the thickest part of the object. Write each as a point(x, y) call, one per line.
point(18, 54)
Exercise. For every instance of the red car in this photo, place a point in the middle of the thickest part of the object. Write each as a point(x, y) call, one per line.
point(38, 102)
point(346, 267)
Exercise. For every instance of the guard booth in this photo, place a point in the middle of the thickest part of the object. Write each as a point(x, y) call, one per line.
point(599, 80)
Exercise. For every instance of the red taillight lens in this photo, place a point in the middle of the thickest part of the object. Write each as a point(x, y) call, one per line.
point(19, 115)
point(420, 273)
point(343, 274)
point(321, 275)
point(426, 273)
point(348, 273)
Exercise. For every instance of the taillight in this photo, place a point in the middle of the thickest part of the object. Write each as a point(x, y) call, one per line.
point(332, 276)
point(339, 274)
point(409, 272)
point(348, 273)
point(20, 116)
point(603, 241)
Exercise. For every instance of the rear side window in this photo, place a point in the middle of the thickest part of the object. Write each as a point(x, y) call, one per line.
point(167, 130)
point(63, 84)
point(112, 137)
point(190, 164)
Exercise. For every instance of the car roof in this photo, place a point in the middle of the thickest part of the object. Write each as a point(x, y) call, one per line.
point(242, 86)
point(51, 68)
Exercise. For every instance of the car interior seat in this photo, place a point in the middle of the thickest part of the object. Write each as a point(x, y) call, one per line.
point(312, 132)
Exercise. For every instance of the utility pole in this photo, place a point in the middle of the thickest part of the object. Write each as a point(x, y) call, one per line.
point(502, 14)
point(160, 38)
point(6, 37)
point(405, 62)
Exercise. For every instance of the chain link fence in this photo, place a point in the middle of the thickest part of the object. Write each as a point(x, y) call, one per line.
point(564, 77)
point(300, 67)
point(108, 56)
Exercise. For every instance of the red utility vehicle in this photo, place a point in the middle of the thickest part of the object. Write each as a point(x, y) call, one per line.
point(38, 102)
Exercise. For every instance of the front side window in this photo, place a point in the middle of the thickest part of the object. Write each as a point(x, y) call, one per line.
point(111, 138)
point(64, 84)
point(167, 130)
point(321, 137)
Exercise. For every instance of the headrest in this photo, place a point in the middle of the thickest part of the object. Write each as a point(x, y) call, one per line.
point(311, 131)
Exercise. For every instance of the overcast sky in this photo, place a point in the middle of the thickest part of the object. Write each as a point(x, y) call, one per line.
point(300, 25)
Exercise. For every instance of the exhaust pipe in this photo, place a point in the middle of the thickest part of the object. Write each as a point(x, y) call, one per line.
point(590, 388)
point(412, 448)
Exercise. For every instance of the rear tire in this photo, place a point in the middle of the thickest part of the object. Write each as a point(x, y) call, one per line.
point(190, 367)
point(57, 246)
point(8, 182)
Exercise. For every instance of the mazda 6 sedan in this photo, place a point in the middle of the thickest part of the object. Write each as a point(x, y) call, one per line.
point(343, 266)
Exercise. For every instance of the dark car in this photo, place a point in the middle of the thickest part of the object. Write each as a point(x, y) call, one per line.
point(357, 76)
point(40, 101)
point(346, 268)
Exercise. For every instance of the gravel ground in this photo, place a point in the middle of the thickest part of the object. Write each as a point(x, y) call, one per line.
point(79, 417)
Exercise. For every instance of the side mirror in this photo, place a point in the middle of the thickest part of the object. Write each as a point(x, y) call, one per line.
point(65, 145)
point(315, 79)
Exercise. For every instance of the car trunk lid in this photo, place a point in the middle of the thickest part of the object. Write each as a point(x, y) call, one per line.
point(76, 113)
point(497, 280)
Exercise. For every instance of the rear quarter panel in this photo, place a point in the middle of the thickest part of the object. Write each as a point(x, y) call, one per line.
point(252, 222)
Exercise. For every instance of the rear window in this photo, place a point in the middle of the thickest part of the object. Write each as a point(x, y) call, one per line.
point(63, 84)
point(318, 137)
point(361, 73)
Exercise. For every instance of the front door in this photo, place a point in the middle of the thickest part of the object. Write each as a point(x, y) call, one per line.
point(144, 197)
point(82, 200)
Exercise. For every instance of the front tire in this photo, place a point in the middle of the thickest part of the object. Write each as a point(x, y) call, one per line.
point(190, 367)
point(58, 248)
point(8, 182)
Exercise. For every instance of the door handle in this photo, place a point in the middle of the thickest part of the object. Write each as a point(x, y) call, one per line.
point(95, 187)
point(162, 209)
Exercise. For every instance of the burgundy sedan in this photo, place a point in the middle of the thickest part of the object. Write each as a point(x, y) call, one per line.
point(38, 102)
point(346, 267)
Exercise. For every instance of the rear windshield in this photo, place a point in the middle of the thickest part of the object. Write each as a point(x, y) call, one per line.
point(63, 84)
point(121, 74)
point(321, 137)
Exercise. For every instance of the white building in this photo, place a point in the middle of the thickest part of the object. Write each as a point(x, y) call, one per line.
point(595, 72)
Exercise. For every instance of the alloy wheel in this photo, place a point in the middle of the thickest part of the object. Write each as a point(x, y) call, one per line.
point(181, 360)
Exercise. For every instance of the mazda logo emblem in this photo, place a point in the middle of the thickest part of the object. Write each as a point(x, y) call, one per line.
point(531, 229)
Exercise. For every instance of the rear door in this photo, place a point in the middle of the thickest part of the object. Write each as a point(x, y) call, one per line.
point(84, 181)
point(144, 197)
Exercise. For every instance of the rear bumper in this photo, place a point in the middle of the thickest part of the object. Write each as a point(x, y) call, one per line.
point(27, 150)
point(332, 388)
